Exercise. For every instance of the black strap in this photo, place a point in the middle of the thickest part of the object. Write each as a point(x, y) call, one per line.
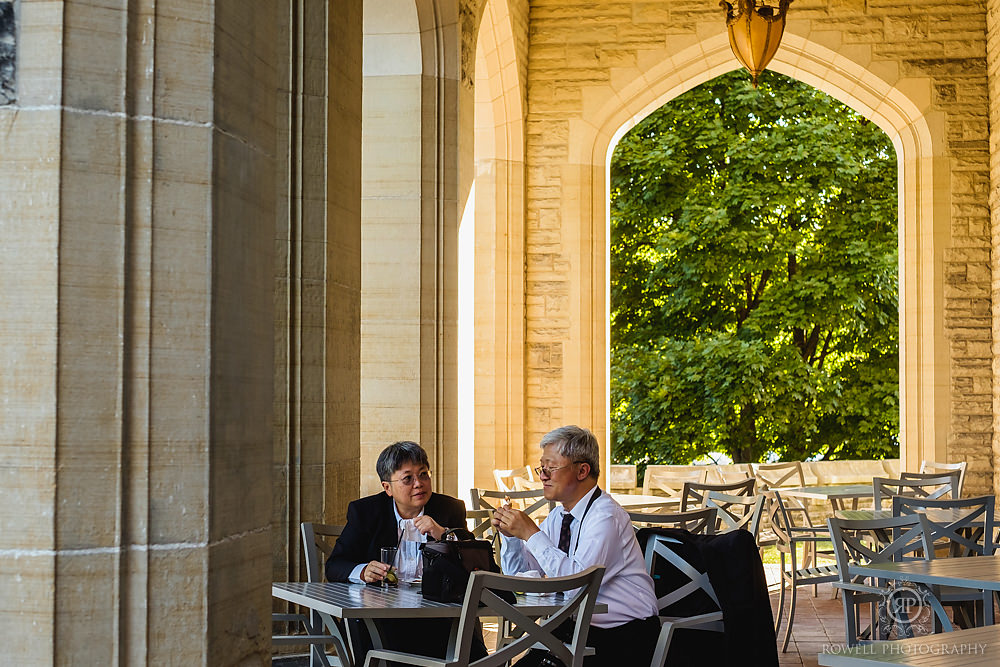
point(597, 492)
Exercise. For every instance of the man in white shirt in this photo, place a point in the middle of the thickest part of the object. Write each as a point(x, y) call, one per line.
point(595, 531)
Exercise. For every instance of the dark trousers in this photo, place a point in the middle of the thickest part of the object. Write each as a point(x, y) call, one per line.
point(624, 645)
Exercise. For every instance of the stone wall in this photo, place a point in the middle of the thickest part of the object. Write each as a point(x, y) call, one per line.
point(587, 57)
point(993, 67)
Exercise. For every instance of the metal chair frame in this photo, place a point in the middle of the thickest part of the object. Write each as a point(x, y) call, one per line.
point(736, 512)
point(962, 537)
point(876, 541)
point(693, 493)
point(695, 521)
point(918, 486)
point(316, 548)
point(580, 591)
point(788, 538)
point(659, 545)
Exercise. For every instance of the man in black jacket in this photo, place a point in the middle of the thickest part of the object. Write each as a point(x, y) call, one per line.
point(406, 507)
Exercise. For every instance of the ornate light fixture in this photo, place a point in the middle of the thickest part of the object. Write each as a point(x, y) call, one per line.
point(755, 31)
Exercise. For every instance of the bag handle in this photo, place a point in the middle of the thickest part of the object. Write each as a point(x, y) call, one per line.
point(456, 534)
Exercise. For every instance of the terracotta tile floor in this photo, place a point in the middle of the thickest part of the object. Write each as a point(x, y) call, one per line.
point(819, 622)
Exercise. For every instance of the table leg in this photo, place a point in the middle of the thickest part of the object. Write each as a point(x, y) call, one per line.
point(341, 641)
point(987, 607)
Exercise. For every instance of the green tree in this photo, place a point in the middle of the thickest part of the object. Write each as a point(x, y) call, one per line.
point(754, 298)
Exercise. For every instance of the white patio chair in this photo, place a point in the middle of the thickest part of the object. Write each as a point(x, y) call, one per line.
point(668, 481)
point(533, 503)
point(934, 467)
point(507, 479)
point(533, 632)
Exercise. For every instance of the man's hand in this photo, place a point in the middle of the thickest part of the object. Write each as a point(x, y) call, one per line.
point(374, 572)
point(513, 523)
point(428, 526)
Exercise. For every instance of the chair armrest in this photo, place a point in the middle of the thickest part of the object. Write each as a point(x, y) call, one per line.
point(408, 658)
point(860, 588)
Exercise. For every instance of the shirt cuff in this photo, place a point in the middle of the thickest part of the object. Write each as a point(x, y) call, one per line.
point(538, 543)
point(355, 577)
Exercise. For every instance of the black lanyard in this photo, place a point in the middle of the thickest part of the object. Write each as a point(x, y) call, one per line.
point(597, 492)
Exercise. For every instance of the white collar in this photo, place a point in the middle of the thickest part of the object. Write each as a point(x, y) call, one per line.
point(400, 519)
point(581, 505)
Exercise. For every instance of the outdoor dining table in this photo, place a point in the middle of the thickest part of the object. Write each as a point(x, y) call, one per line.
point(975, 572)
point(341, 600)
point(974, 647)
point(635, 502)
point(937, 515)
point(836, 494)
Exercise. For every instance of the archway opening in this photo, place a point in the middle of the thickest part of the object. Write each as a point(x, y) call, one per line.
point(754, 286)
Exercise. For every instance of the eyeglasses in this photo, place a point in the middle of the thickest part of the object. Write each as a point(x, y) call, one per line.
point(548, 470)
point(424, 477)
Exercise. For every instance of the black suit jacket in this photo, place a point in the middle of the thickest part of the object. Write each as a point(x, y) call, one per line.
point(371, 525)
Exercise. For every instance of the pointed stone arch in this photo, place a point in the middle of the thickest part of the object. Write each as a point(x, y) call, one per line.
point(901, 106)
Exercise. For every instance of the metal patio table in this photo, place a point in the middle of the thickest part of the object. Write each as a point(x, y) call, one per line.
point(975, 572)
point(837, 494)
point(341, 600)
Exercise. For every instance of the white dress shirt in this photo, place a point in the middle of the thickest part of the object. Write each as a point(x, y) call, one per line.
point(405, 530)
point(604, 537)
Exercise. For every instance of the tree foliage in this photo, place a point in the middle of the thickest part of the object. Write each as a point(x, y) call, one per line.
point(754, 278)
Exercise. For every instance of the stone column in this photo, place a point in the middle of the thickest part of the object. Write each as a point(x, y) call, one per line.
point(137, 212)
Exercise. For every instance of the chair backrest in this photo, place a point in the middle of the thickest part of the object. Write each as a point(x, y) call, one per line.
point(580, 594)
point(936, 467)
point(533, 502)
point(965, 525)
point(317, 545)
point(726, 473)
point(669, 480)
point(778, 517)
point(777, 475)
point(693, 493)
point(623, 478)
point(738, 512)
point(695, 521)
point(478, 521)
point(505, 479)
point(919, 486)
point(863, 541)
point(692, 580)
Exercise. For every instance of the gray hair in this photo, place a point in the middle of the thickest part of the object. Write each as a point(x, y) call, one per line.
point(577, 444)
point(398, 454)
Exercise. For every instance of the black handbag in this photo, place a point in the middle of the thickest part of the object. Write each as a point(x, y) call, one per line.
point(449, 562)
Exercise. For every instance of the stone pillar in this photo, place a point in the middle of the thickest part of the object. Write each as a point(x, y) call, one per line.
point(137, 212)
point(317, 274)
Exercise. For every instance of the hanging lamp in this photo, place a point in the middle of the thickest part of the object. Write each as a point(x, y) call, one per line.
point(755, 31)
